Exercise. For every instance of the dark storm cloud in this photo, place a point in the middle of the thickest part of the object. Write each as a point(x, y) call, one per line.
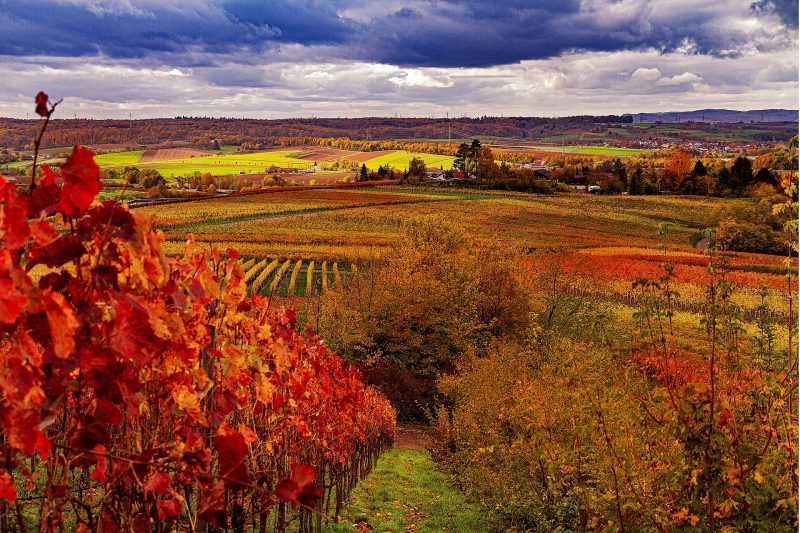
point(787, 10)
point(476, 33)
point(440, 33)
point(131, 29)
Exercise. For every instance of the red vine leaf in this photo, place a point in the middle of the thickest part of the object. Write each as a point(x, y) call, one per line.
point(211, 506)
point(45, 198)
point(41, 104)
point(13, 218)
point(168, 509)
point(232, 450)
point(63, 322)
point(7, 490)
point(299, 489)
point(81, 181)
point(99, 472)
point(158, 484)
point(12, 299)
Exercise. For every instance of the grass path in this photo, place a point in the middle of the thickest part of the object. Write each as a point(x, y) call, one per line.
point(405, 492)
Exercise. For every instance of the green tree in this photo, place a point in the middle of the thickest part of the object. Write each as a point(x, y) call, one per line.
point(619, 170)
point(434, 298)
point(635, 181)
point(462, 155)
point(416, 168)
point(474, 155)
point(150, 177)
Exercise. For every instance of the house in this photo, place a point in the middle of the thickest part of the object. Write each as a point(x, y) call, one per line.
point(591, 189)
point(534, 166)
point(435, 174)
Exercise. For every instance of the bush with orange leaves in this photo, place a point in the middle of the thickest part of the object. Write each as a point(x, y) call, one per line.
point(571, 432)
point(139, 392)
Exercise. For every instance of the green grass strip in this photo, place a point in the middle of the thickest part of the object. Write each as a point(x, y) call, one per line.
point(405, 492)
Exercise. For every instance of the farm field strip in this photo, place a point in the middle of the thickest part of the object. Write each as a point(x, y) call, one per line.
point(183, 161)
point(400, 159)
point(356, 224)
point(234, 207)
point(270, 276)
point(261, 279)
point(608, 240)
point(261, 215)
point(587, 150)
point(293, 279)
point(276, 279)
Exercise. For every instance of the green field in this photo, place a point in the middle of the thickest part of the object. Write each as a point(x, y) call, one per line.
point(115, 159)
point(612, 151)
point(400, 159)
point(229, 162)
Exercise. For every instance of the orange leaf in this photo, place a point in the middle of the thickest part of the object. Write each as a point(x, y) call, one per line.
point(81, 181)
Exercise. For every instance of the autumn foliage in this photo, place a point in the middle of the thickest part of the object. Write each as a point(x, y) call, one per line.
point(137, 389)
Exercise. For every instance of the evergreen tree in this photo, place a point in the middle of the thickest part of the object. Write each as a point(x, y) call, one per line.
point(699, 169)
point(741, 173)
point(474, 155)
point(724, 178)
point(765, 176)
point(460, 162)
point(364, 172)
point(635, 181)
point(619, 170)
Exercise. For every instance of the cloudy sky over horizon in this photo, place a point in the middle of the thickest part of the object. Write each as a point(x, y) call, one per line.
point(301, 58)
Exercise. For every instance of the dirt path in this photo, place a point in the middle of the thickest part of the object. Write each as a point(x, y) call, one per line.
point(412, 437)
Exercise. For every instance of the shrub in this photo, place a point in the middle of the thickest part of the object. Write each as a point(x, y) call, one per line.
point(746, 237)
point(434, 298)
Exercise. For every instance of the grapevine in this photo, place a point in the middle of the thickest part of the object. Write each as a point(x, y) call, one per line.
point(139, 391)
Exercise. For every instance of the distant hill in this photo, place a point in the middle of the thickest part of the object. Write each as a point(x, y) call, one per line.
point(714, 125)
point(720, 115)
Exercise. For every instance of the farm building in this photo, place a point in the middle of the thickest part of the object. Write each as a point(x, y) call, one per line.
point(435, 174)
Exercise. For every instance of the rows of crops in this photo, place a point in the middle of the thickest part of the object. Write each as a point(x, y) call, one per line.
point(275, 276)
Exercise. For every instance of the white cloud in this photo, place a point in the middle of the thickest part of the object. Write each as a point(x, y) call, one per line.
point(646, 74)
point(680, 79)
point(579, 83)
point(418, 78)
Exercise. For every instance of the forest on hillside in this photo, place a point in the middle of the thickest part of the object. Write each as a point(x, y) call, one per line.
point(17, 134)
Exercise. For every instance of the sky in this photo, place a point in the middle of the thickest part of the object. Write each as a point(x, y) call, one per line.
point(354, 58)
